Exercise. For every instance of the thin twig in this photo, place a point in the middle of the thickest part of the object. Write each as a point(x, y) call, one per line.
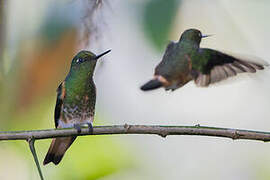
point(163, 131)
point(31, 142)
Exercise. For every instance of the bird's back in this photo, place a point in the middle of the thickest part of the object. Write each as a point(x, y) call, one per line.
point(175, 62)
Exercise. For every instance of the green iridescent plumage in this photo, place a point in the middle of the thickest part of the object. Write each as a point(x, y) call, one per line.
point(75, 103)
point(184, 61)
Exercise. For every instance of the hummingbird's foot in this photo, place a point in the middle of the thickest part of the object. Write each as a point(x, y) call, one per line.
point(78, 128)
point(90, 128)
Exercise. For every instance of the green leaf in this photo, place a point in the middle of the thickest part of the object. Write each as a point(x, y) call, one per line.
point(158, 20)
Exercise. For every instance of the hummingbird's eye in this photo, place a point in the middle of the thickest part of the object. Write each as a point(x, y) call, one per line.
point(79, 60)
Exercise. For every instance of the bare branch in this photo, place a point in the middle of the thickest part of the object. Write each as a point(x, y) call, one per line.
point(162, 131)
point(93, 21)
point(31, 142)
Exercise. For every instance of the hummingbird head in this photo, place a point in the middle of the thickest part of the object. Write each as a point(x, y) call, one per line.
point(85, 62)
point(193, 35)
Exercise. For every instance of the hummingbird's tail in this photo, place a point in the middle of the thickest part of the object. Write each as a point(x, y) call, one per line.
point(57, 149)
point(152, 84)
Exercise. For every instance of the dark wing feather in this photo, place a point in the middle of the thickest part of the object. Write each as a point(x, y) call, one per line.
point(164, 64)
point(219, 66)
point(169, 49)
point(59, 103)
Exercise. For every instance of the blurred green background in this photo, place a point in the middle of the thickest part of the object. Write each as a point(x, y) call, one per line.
point(38, 40)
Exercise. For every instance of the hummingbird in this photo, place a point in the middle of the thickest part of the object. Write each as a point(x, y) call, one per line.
point(185, 61)
point(75, 102)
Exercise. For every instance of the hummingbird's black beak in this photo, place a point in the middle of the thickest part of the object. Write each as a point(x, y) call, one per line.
point(102, 54)
point(204, 36)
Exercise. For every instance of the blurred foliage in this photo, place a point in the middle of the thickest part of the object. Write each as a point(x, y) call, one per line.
point(43, 65)
point(52, 34)
point(158, 20)
point(99, 155)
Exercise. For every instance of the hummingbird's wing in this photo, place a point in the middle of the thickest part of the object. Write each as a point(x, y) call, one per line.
point(216, 66)
point(58, 146)
point(167, 55)
point(164, 67)
point(159, 79)
point(59, 102)
point(169, 49)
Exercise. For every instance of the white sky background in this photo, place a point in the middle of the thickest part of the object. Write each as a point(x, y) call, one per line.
point(238, 26)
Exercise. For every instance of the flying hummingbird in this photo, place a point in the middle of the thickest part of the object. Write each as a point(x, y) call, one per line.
point(185, 61)
point(75, 103)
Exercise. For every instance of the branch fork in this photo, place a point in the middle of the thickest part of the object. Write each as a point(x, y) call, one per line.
point(163, 131)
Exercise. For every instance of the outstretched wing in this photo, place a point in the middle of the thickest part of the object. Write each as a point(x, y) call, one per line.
point(217, 66)
point(59, 103)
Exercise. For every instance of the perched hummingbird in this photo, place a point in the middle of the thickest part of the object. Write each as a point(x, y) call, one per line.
point(185, 61)
point(75, 103)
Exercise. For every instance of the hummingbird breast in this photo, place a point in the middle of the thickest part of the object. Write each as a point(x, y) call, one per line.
point(79, 106)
